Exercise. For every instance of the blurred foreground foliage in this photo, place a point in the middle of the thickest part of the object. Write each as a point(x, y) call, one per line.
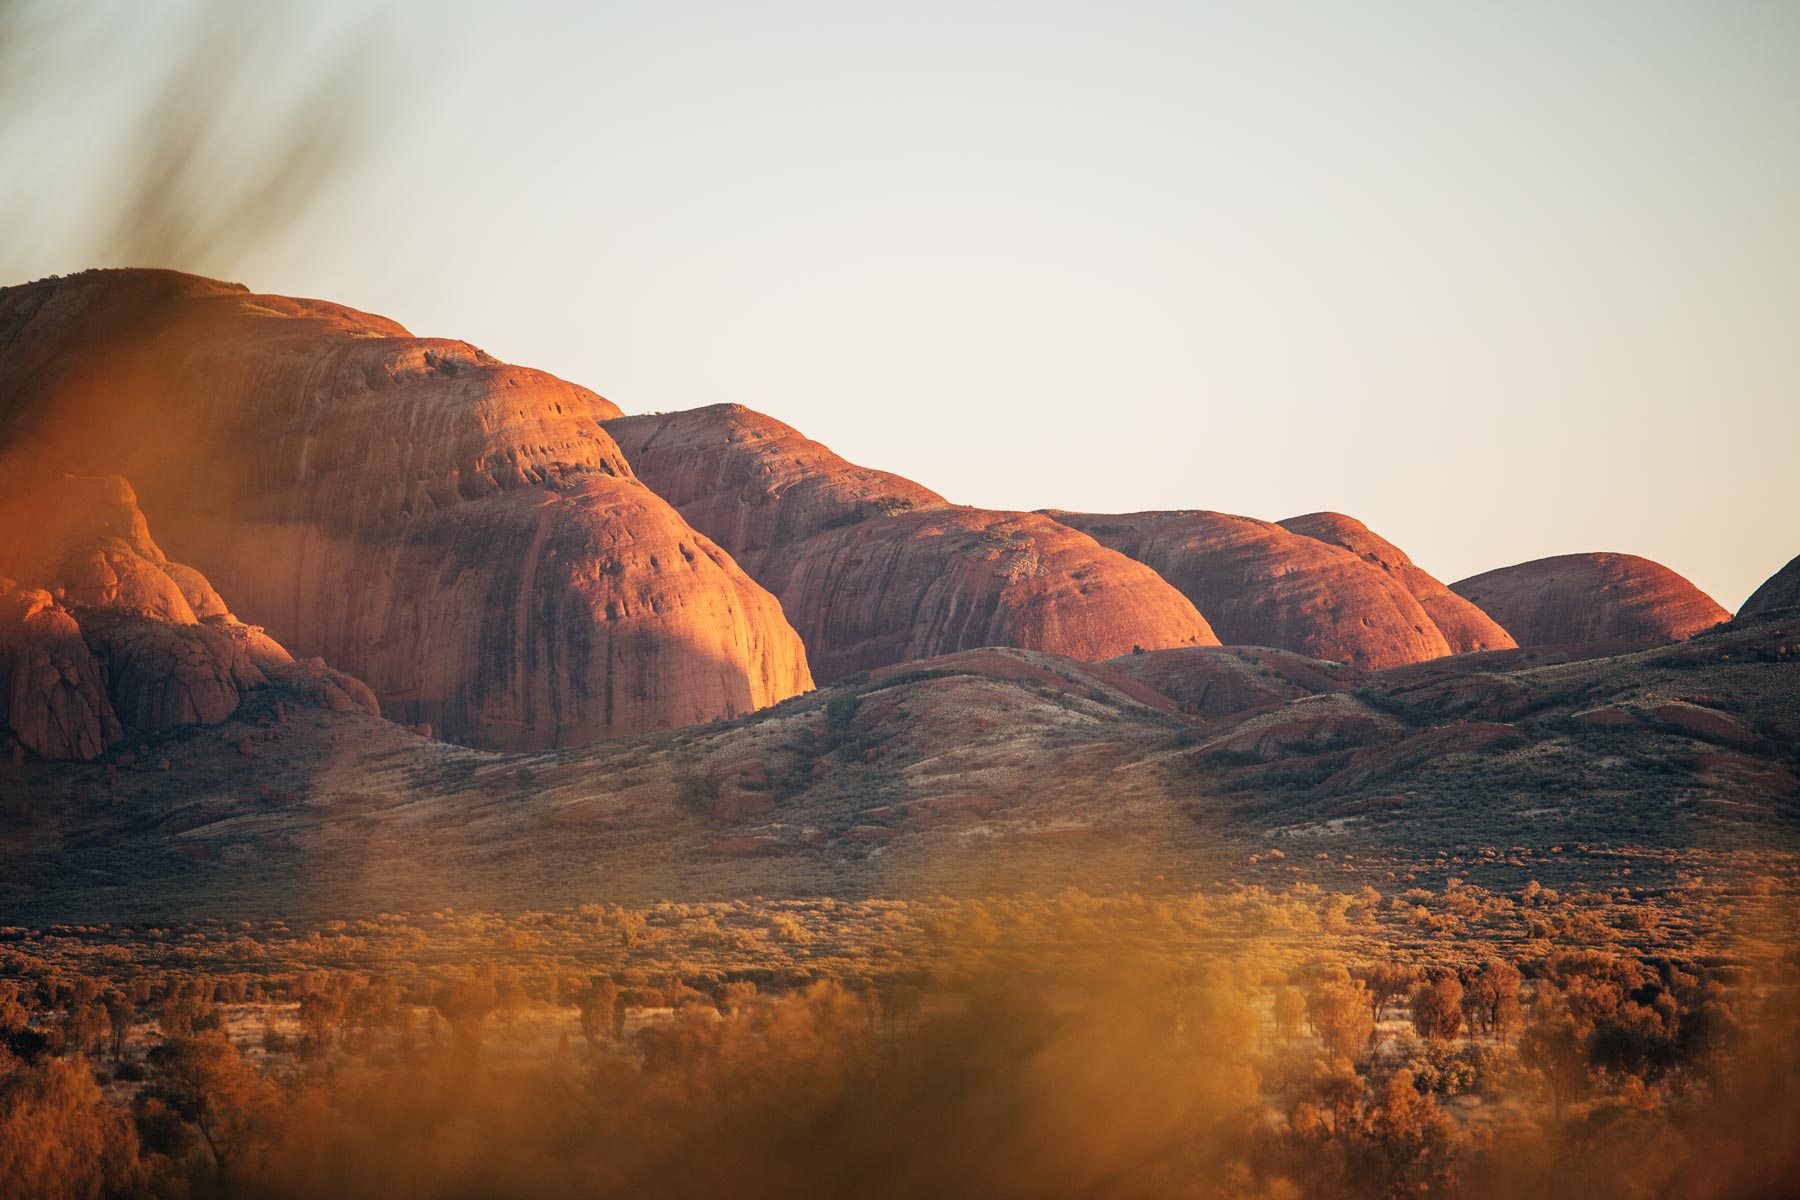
point(1053, 1046)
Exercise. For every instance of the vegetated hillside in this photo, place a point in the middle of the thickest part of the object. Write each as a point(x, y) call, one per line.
point(874, 569)
point(103, 638)
point(970, 768)
point(1218, 681)
point(459, 532)
point(1779, 592)
point(1465, 627)
point(1692, 744)
point(1592, 598)
point(1263, 585)
point(975, 773)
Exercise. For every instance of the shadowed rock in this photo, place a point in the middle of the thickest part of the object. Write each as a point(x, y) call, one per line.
point(1779, 592)
point(104, 635)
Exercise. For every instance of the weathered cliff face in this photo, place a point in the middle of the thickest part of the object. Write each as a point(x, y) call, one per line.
point(459, 532)
point(102, 636)
point(1465, 627)
point(1263, 585)
point(1578, 598)
point(873, 569)
point(922, 584)
point(1780, 591)
point(752, 483)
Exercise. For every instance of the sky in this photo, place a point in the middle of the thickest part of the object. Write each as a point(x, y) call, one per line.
point(1501, 280)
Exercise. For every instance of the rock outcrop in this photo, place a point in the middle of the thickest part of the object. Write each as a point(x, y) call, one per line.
point(1780, 591)
point(1465, 627)
point(1260, 584)
point(874, 569)
point(1576, 598)
point(101, 634)
point(54, 700)
point(459, 532)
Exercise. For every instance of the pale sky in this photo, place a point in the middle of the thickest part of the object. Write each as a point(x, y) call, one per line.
point(1502, 280)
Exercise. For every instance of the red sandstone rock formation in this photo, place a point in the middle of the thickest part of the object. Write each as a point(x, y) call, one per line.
point(459, 532)
point(1465, 627)
point(753, 484)
point(100, 633)
point(54, 699)
point(1780, 591)
point(1575, 598)
point(873, 569)
point(1263, 585)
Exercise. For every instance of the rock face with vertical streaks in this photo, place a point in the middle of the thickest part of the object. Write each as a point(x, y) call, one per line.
point(1578, 598)
point(461, 533)
point(1263, 585)
point(874, 569)
point(1465, 627)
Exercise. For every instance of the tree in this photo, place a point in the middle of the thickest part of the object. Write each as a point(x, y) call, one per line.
point(464, 1005)
point(84, 1027)
point(1387, 982)
point(320, 1013)
point(374, 1007)
point(187, 1009)
point(630, 923)
point(1492, 997)
point(59, 1136)
point(1290, 1010)
point(512, 998)
point(1339, 1012)
point(1437, 1009)
point(206, 1082)
point(13, 1014)
point(737, 994)
point(1327, 1108)
point(120, 1014)
point(600, 1010)
point(1410, 1129)
point(1558, 1050)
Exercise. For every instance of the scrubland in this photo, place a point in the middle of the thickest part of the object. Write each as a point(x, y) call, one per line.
point(1264, 1036)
